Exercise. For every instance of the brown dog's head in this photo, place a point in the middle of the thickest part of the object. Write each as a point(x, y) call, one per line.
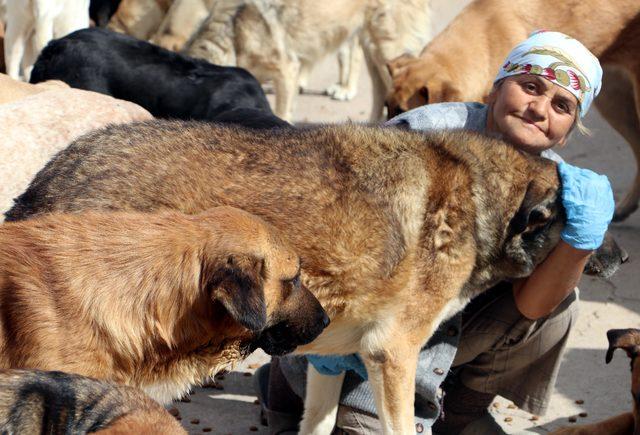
point(253, 272)
point(629, 341)
point(416, 82)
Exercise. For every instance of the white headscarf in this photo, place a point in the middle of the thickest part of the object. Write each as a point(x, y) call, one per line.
point(560, 59)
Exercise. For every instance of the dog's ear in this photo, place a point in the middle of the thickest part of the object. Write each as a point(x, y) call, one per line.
point(627, 339)
point(532, 212)
point(237, 283)
point(399, 62)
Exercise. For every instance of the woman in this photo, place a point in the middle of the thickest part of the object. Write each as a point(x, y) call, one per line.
point(510, 340)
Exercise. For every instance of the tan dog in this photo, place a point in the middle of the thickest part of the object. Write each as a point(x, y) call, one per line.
point(139, 18)
point(12, 90)
point(396, 230)
point(629, 422)
point(33, 401)
point(160, 301)
point(461, 62)
point(281, 40)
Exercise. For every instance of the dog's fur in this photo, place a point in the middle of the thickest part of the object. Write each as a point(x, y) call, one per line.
point(281, 40)
point(396, 230)
point(165, 83)
point(139, 18)
point(36, 127)
point(461, 62)
point(33, 23)
point(33, 402)
point(13, 90)
point(627, 423)
point(180, 23)
point(160, 301)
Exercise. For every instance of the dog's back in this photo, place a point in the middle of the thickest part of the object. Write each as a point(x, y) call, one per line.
point(33, 401)
point(167, 84)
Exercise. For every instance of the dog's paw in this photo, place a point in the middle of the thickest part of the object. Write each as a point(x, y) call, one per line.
point(341, 93)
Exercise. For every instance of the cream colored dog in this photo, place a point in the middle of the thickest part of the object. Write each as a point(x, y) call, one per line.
point(33, 23)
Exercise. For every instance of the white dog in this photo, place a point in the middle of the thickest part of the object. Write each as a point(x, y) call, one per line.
point(31, 24)
point(281, 40)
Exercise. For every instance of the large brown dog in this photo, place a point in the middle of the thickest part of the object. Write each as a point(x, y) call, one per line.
point(461, 62)
point(159, 301)
point(37, 402)
point(396, 230)
point(627, 423)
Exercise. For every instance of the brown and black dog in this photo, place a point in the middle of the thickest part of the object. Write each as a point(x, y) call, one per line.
point(160, 301)
point(396, 230)
point(627, 423)
point(34, 401)
point(461, 63)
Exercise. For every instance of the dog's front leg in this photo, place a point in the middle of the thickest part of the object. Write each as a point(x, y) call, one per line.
point(321, 402)
point(392, 374)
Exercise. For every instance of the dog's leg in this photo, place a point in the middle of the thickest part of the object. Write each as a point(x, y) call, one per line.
point(16, 36)
point(618, 104)
point(321, 402)
point(286, 87)
point(378, 86)
point(349, 61)
point(392, 375)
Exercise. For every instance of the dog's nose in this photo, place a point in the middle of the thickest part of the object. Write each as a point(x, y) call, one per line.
point(325, 320)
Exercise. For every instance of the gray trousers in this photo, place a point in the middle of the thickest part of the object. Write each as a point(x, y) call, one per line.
point(500, 352)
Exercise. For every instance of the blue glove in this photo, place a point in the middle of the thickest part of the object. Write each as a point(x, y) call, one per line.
point(333, 365)
point(588, 202)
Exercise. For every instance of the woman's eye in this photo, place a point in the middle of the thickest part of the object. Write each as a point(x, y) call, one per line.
point(563, 107)
point(530, 87)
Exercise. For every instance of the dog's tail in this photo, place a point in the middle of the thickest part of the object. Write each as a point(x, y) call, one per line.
point(214, 41)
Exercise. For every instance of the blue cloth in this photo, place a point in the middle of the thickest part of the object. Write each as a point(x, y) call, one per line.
point(588, 202)
point(333, 365)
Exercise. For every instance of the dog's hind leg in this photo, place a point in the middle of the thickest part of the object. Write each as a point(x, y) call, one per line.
point(321, 402)
point(619, 103)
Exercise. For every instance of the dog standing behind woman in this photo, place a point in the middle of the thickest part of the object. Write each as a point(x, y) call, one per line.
point(159, 301)
point(281, 40)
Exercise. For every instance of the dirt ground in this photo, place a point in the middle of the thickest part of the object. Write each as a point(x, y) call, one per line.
point(605, 304)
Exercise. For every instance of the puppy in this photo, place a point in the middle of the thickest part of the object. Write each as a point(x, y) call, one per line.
point(33, 401)
point(159, 301)
point(460, 63)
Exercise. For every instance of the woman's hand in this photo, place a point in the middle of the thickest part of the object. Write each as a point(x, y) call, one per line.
point(588, 202)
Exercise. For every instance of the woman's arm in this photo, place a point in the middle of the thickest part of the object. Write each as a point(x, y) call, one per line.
point(551, 282)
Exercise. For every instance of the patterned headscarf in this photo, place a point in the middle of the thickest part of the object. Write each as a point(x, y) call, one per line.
point(560, 59)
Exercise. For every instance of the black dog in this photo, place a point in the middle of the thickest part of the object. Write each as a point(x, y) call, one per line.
point(167, 84)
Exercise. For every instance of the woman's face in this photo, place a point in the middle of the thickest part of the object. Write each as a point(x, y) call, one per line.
point(531, 112)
